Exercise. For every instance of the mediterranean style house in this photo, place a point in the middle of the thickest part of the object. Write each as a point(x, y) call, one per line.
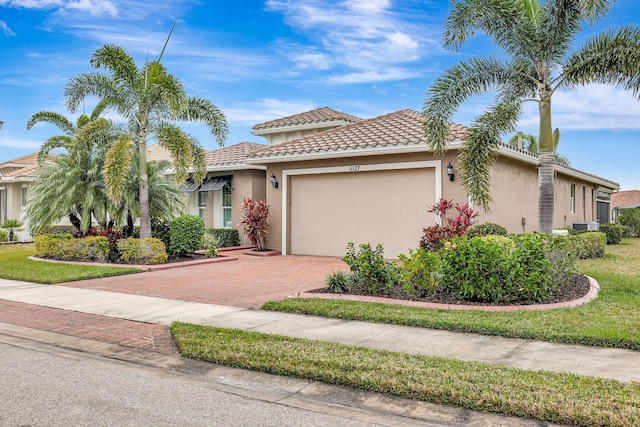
point(15, 177)
point(333, 178)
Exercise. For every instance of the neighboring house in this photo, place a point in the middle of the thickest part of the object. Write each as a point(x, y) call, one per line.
point(372, 181)
point(622, 200)
point(15, 177)
point(229, 180)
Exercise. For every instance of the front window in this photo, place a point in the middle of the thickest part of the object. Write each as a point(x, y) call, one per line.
point(24, 197)
point(226, 206)
point(202, 204)
point(3, 205)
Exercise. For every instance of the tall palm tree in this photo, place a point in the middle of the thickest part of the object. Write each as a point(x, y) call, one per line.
point(151, 100)
point(532, 147)
point(536, 39)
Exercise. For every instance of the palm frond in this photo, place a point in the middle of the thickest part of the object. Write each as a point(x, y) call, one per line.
point(117, 60)
point(87, 84)
point(204, 111)
point(117, 165)
point(51, 117)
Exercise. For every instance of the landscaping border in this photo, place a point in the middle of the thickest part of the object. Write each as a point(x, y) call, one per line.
point(594, 287)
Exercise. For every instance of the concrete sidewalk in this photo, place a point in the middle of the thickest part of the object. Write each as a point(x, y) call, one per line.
point(623, 365)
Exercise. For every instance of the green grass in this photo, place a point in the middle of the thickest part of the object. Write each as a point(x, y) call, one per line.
point(16, 266)
point(611, 320)
point(541, 395)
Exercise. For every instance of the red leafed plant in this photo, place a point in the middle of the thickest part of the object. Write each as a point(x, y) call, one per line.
point(254, 222)
point(435, 235)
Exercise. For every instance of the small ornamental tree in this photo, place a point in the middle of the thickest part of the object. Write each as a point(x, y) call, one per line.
point(254, 222)
point(11, 225)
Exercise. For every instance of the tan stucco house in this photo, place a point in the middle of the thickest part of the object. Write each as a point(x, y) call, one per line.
point(15, 177)
point(343, 179)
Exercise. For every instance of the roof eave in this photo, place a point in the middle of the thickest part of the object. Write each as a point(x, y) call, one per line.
point(302, 127)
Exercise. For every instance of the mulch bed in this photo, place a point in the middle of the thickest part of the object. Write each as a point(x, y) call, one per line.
point(577, 287)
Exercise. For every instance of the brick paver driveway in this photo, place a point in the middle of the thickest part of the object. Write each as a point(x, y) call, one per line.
point(248, 282)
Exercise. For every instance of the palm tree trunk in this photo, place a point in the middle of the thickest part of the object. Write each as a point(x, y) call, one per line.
point(546, 196)
point(145, 216)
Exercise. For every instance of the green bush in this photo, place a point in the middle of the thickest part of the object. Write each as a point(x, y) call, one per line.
point(160, 229)
point(211, 245)
point(630, 218)
point(475, 269)
point(4, 236)
point(65, 247)
point(591, 244)
point(369, 269)
point(227, 237)
point(146, 251)
point(492, 270)
point(339, 282)
point(50, 245)
point(487, 229)
point(614, 233)
point(505, 243)
point(562, 254)
point(186, 233)
point(530, 269)
point(418, 272)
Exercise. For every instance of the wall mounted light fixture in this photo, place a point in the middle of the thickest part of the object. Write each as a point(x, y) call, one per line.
point(450, 172)
point(274, 182)
point(1, 123)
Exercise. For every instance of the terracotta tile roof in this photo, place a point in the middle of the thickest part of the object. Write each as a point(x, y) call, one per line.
point(28, 159)
point(22, 172)
point(231, 155)
point(319, 115)
point(625, 198)
point(401, 128)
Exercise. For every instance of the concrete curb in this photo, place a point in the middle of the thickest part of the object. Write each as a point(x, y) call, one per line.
point(144, 267)
point(594, 287)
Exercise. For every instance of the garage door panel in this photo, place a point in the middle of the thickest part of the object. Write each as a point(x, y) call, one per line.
point(389, 207)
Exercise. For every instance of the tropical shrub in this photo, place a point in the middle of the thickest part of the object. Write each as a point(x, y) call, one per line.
point(65, 247)
point(227, 237)
point(614, 233)
point(530, 269)
point(487, 229)
point(185, 233)
point(433, 236)
point(211, 244)
point(55, 229)
point(254, 221)
point(339, 282)
point(4, 236)
point(11, 225)
point(590, 245)
point(418, 272)
point(369, 269)
point(562, 254)
point(630, 218)
point(146, 251)
point(160, 229)
point(505, 243)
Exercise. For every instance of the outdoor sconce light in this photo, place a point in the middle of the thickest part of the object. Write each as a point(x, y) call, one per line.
point(1, 123)
point(450, 172)
point(274, 182)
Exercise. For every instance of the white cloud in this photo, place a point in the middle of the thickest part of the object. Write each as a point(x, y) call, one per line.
point(266, 109)
point(372, 76)
point(594, 107)
point(19, 143)
point(93, 7)
point(365, 36)
point(5, 29)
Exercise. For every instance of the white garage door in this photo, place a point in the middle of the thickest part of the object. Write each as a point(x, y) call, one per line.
point(329, 210)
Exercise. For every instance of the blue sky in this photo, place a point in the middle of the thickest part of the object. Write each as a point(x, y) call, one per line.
point(260, 60)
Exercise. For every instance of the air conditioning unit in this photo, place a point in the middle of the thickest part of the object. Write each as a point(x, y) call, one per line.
point(586, 225)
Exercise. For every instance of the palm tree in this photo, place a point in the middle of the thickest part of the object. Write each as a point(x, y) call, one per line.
point(532, 147)
point(536, 38)
point(150, 99)
point(11, 225)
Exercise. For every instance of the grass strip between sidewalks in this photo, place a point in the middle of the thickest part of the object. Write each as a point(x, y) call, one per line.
point(16, 265)
point(541, 395)
point(611, 320)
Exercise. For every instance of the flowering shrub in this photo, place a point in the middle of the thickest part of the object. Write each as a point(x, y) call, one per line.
point(254, 221)
point(418, 271)
point(142, 251)
point(369, 268)
point(434, 236)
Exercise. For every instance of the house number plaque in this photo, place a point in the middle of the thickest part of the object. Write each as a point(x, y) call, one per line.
point(354, 168)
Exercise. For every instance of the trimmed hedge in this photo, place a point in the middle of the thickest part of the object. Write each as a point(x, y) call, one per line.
point(56, 229)
point(186, 233)
point(65, 247)
point(487, 229)
point(614, 233)
point(227, 237)
point(142, 251)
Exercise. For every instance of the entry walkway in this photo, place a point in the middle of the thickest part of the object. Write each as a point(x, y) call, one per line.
point(616, 364)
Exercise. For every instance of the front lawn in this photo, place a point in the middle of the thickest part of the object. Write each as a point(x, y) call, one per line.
point(16, 265)
point(611, 320)
point(546, 396)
